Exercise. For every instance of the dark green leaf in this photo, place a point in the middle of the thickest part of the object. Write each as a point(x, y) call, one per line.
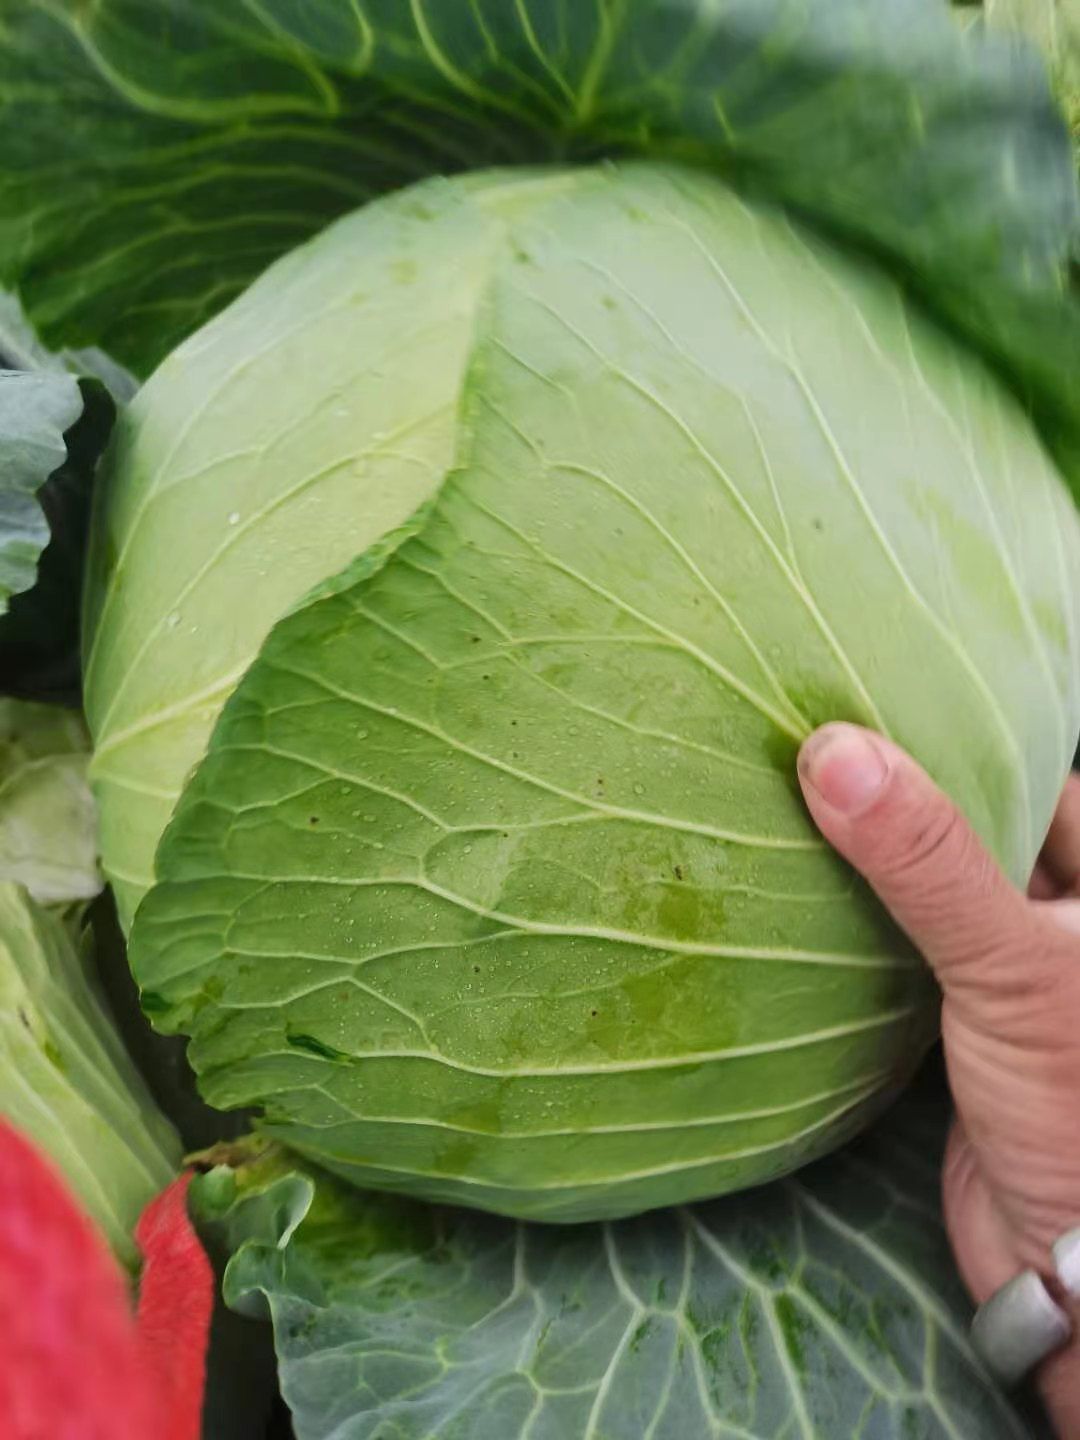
point(159, 153)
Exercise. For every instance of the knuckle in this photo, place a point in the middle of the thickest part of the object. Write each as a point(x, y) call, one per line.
point(937, 841)
point(1019, 990)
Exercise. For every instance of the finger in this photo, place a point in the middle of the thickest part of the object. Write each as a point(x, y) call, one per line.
point(887, 818)
point(982, 1242)
point(1060, 856)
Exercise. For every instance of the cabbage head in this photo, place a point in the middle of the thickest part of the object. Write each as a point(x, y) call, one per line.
point(459, 598)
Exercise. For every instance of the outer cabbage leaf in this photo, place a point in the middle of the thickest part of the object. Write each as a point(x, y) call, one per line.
point(495, 884)
point(48, 825)
point(53, 427)
point(158, 155)
point(824, 1306)
point(1054, 26)
point(21, 349)
point(35, 410)
point(66, 1081)
point(161, 1059)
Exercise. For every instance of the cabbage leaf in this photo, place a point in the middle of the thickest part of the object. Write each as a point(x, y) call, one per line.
point(824, 1306)
point(35, 410)
point(48, 825)
point(56, 412)
point(65, 1079)
point(191, 143)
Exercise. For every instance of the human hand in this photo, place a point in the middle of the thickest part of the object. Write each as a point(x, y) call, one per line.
point(1009, 969)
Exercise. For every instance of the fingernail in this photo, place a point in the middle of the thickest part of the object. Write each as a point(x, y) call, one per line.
point(844, 765)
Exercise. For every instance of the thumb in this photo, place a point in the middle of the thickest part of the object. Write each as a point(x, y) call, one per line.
point(885, 815)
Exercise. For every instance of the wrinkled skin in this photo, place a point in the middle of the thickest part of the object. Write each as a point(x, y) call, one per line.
point(1009, 968)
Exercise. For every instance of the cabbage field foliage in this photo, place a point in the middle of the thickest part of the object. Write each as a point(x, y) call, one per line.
point(451, 457)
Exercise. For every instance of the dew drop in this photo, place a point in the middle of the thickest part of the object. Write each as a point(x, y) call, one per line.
point(173, 620)
point(234, 518)
point(639, 789)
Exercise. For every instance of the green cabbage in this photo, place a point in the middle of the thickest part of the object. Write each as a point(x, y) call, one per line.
point(582, 496)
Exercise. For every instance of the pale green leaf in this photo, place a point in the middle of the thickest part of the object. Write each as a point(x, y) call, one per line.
point(48, 824)
point(65, 1080)
point(36, 407)
point(53, 426)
